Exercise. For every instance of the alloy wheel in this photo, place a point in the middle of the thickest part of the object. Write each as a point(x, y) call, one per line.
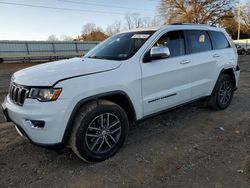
point(225, 92)
point(103, 133)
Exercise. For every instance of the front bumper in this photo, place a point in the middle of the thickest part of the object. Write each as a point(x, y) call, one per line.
point(55, 115)
point(5, 112)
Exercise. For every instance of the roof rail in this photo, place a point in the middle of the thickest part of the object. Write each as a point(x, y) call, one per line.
point(180, 23)
point(194, 24)
point(176, 23)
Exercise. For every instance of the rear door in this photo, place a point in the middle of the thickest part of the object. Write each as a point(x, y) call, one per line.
point(202, 61)
point(222, 49)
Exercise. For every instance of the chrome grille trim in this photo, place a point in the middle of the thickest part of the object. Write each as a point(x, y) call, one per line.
point(18, 94)
point(14, 94)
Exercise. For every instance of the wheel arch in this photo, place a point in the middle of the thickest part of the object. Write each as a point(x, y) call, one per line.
point(118, 97)
point(230, 72)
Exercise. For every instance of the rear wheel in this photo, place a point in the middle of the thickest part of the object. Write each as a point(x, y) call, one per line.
point(99, 131)
point(223, 93)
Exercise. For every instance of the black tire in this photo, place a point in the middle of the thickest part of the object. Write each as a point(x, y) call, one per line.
point(1, 60)
point(223, 93)
point(95, 124)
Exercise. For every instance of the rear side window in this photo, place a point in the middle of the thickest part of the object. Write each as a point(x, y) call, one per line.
point(219, 40)
point(198, 41)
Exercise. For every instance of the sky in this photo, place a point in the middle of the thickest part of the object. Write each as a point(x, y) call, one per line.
point(18, 22)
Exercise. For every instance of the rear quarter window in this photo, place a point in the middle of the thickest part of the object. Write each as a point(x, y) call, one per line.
point(219, 40)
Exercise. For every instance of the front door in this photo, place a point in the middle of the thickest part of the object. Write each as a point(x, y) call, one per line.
point(166, 82)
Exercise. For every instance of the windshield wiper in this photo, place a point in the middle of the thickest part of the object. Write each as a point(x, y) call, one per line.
point(107, 58)
point(97, 57)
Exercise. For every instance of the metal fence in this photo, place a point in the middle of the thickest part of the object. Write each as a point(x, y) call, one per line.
point(32, 51)
point(245, 43)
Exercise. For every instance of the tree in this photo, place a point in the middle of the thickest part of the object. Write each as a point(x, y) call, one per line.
point(133, 21)
point(244, 13)
point(66, 38)
point(88, 28)
point(230, 23)
point(52, 38)
point(90, 32)
point(114, 28)
point(195, 11)
point(156, 22)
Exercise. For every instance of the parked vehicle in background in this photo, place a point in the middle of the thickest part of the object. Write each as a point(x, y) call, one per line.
point(241, 50)
point(89, 103)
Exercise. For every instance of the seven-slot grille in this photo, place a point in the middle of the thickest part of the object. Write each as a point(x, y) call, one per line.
point(18, 94)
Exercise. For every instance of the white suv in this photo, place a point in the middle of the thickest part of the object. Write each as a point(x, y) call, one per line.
point(88, 103)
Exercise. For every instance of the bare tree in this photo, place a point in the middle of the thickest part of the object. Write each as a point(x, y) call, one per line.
point(88, 28)
point(133, 21)
point(230, 23)
point(244, 13)
point(52, 38)
point(153, 22)
point(128, 21)
point(114, 28)
point(66, 38)
point(195, 11)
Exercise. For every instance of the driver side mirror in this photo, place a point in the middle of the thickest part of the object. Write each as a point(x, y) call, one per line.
point(159, 52)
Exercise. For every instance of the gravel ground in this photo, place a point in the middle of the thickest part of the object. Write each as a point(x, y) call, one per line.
point(191, 146)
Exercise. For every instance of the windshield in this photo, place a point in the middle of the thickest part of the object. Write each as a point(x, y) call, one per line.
point(121, 46)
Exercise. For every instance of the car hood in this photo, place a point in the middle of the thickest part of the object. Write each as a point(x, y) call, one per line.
point(48, 74)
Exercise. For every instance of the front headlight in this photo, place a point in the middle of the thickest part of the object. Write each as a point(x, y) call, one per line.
point(45, 94)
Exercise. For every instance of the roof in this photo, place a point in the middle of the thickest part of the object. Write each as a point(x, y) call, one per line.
point(180, 25)
point(142, 29)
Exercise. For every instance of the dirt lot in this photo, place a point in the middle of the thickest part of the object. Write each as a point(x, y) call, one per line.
point(188, 147)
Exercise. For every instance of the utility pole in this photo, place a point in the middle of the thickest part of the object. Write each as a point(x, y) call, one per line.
point(239, 20)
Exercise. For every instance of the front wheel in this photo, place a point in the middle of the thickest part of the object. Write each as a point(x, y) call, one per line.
point(99, 131)
point(223, 93)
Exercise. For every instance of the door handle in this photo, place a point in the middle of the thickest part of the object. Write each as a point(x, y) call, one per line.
point(216, 55)
point(184, 62)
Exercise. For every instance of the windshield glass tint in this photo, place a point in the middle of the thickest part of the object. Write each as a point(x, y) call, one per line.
point(121, 46)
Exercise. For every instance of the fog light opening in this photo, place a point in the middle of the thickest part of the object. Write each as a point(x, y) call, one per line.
point(36, 124)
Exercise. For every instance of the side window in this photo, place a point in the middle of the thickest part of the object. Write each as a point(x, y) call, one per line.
point(174, 40)
point(199, 41)
point(219, 40)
